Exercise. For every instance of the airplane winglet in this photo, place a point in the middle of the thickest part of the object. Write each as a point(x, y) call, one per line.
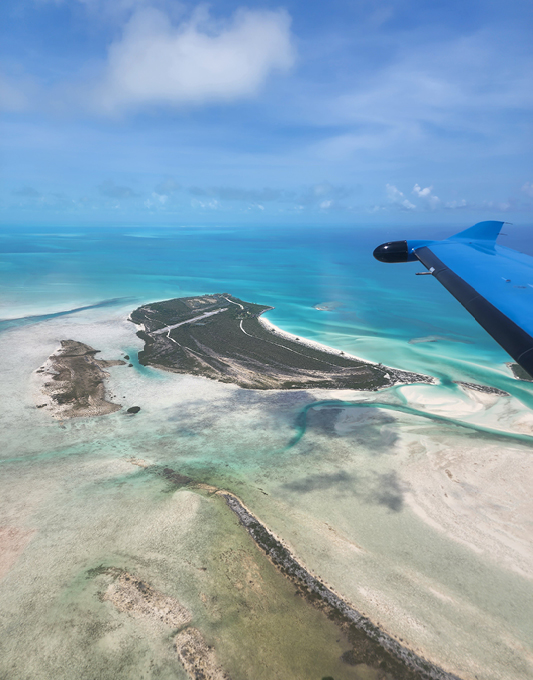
point(482, 231)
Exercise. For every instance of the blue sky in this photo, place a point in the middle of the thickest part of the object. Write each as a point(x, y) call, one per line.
point(176, 113)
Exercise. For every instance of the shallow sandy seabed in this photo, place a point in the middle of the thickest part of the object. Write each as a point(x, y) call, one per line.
point(423, 525)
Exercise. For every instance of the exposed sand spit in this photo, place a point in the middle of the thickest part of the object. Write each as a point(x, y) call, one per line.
point(371, 644)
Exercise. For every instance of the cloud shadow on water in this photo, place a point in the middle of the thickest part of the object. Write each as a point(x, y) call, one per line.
point(375, 489)
point(370, 429)
point(341, 481)
point(387, 491)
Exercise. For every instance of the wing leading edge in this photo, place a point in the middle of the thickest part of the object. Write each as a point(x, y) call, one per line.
point(493, 283)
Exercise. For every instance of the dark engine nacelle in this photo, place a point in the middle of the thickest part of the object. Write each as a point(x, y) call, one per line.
point(394, 251)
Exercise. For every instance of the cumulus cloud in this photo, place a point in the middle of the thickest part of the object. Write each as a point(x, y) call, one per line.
point(156, 200)
point(198, 61)
point(426, 194)
point(323, 195)
point(528, 189)
point(418, 191)
point(457, 205)
point(212, 204)
point(396, 197)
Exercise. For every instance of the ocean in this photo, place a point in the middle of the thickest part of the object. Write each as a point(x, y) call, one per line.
point(412, 502)
point(383, 313)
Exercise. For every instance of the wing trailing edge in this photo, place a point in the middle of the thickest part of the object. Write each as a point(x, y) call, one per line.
point(482, 231)
point(517, 342)
point(493, 283)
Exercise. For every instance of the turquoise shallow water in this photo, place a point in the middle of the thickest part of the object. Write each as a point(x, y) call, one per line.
point(381, 308)
point(301, 420)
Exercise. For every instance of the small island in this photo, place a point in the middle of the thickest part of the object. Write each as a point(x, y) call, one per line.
point(481, 388)
point(519, 373)
point(223, 338)
point(75, 382)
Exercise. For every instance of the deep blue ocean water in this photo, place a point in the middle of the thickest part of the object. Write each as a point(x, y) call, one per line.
point(381, 308)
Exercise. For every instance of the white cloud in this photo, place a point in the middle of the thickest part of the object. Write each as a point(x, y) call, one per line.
point(197, 61)
point(213, 204)
point(417, 191)
point(396, 197)
point(455, 205)
point(428, 82)
point(162, 198)
point(449, 97)
point(432, 200)
point(528, 189)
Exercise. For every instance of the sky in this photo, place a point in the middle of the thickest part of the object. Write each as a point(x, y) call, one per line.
point(361, 112)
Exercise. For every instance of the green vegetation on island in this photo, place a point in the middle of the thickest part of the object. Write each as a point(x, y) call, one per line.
point(221, 337)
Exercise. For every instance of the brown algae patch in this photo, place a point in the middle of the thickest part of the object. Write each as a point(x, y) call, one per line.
point(74, 381)
point(198, 658)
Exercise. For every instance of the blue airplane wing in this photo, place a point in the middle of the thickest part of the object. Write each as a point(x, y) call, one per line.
point(493, 283)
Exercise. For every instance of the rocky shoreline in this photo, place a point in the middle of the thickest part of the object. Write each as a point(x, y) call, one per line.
point(371, 645)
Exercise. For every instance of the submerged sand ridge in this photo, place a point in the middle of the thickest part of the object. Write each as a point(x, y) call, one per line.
point(74, 381)
point(138, 599)
point(220, 337)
